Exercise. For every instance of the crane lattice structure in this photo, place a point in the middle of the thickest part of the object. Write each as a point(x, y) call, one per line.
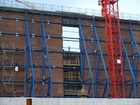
point(114, 48)
point(28, 4)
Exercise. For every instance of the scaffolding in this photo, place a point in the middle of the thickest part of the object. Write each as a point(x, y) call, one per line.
point(90, 61)
point(72, 74)
point(9, 72)
point(71, 59)
point(19, 87)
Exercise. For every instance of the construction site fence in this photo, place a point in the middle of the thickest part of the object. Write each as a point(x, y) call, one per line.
point(56, 8)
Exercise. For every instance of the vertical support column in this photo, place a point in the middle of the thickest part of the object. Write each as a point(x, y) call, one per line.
point(81, 61)
point(96, 39)
point(130, 67)
point(29, 61)
point(45, 56)
point(96, 59)
point(83, 50)
point(134, 65)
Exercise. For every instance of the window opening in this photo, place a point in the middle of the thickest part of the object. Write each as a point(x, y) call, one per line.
point(71, 39)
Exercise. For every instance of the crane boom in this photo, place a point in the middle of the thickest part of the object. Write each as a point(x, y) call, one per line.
point(28, 4)
point(110, 12)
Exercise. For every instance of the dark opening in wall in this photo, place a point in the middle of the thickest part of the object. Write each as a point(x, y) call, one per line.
point(71, 74)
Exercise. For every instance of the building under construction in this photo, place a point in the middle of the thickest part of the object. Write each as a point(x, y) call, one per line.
point(60, 54)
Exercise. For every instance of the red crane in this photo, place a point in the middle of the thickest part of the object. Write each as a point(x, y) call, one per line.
point(110, 12)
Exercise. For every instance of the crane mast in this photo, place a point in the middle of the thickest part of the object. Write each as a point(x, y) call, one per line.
point(110, 12)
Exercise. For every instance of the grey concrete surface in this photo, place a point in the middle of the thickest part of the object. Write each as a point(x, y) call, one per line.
point(70, 101)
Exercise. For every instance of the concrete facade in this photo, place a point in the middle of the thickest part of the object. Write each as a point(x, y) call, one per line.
point(69, 101)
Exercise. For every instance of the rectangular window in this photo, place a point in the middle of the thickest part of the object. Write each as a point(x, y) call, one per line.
point(71, 39)
point(71, 59)
point(71, 62)
point(72, 75)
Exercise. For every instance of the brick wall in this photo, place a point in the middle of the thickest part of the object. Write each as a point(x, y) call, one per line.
point(55, 44)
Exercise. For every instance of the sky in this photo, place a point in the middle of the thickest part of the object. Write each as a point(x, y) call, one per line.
point(126, 6)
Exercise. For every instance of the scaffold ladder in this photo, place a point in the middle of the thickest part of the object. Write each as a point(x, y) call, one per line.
point(7, 71)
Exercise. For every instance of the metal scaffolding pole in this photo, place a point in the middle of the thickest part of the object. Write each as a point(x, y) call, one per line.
point(97, 49)
point(134, 60)
point(83, 49)
point(45, 57)
point(29, 62)
point(130, 67)
point(7, 71)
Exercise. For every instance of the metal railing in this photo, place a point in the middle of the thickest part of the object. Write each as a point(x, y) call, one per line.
point(56, 8)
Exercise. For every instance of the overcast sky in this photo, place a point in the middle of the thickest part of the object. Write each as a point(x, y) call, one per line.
point(127, 6)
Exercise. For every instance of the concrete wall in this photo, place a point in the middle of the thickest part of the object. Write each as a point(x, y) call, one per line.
point(69, 101)
point(12, 101)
